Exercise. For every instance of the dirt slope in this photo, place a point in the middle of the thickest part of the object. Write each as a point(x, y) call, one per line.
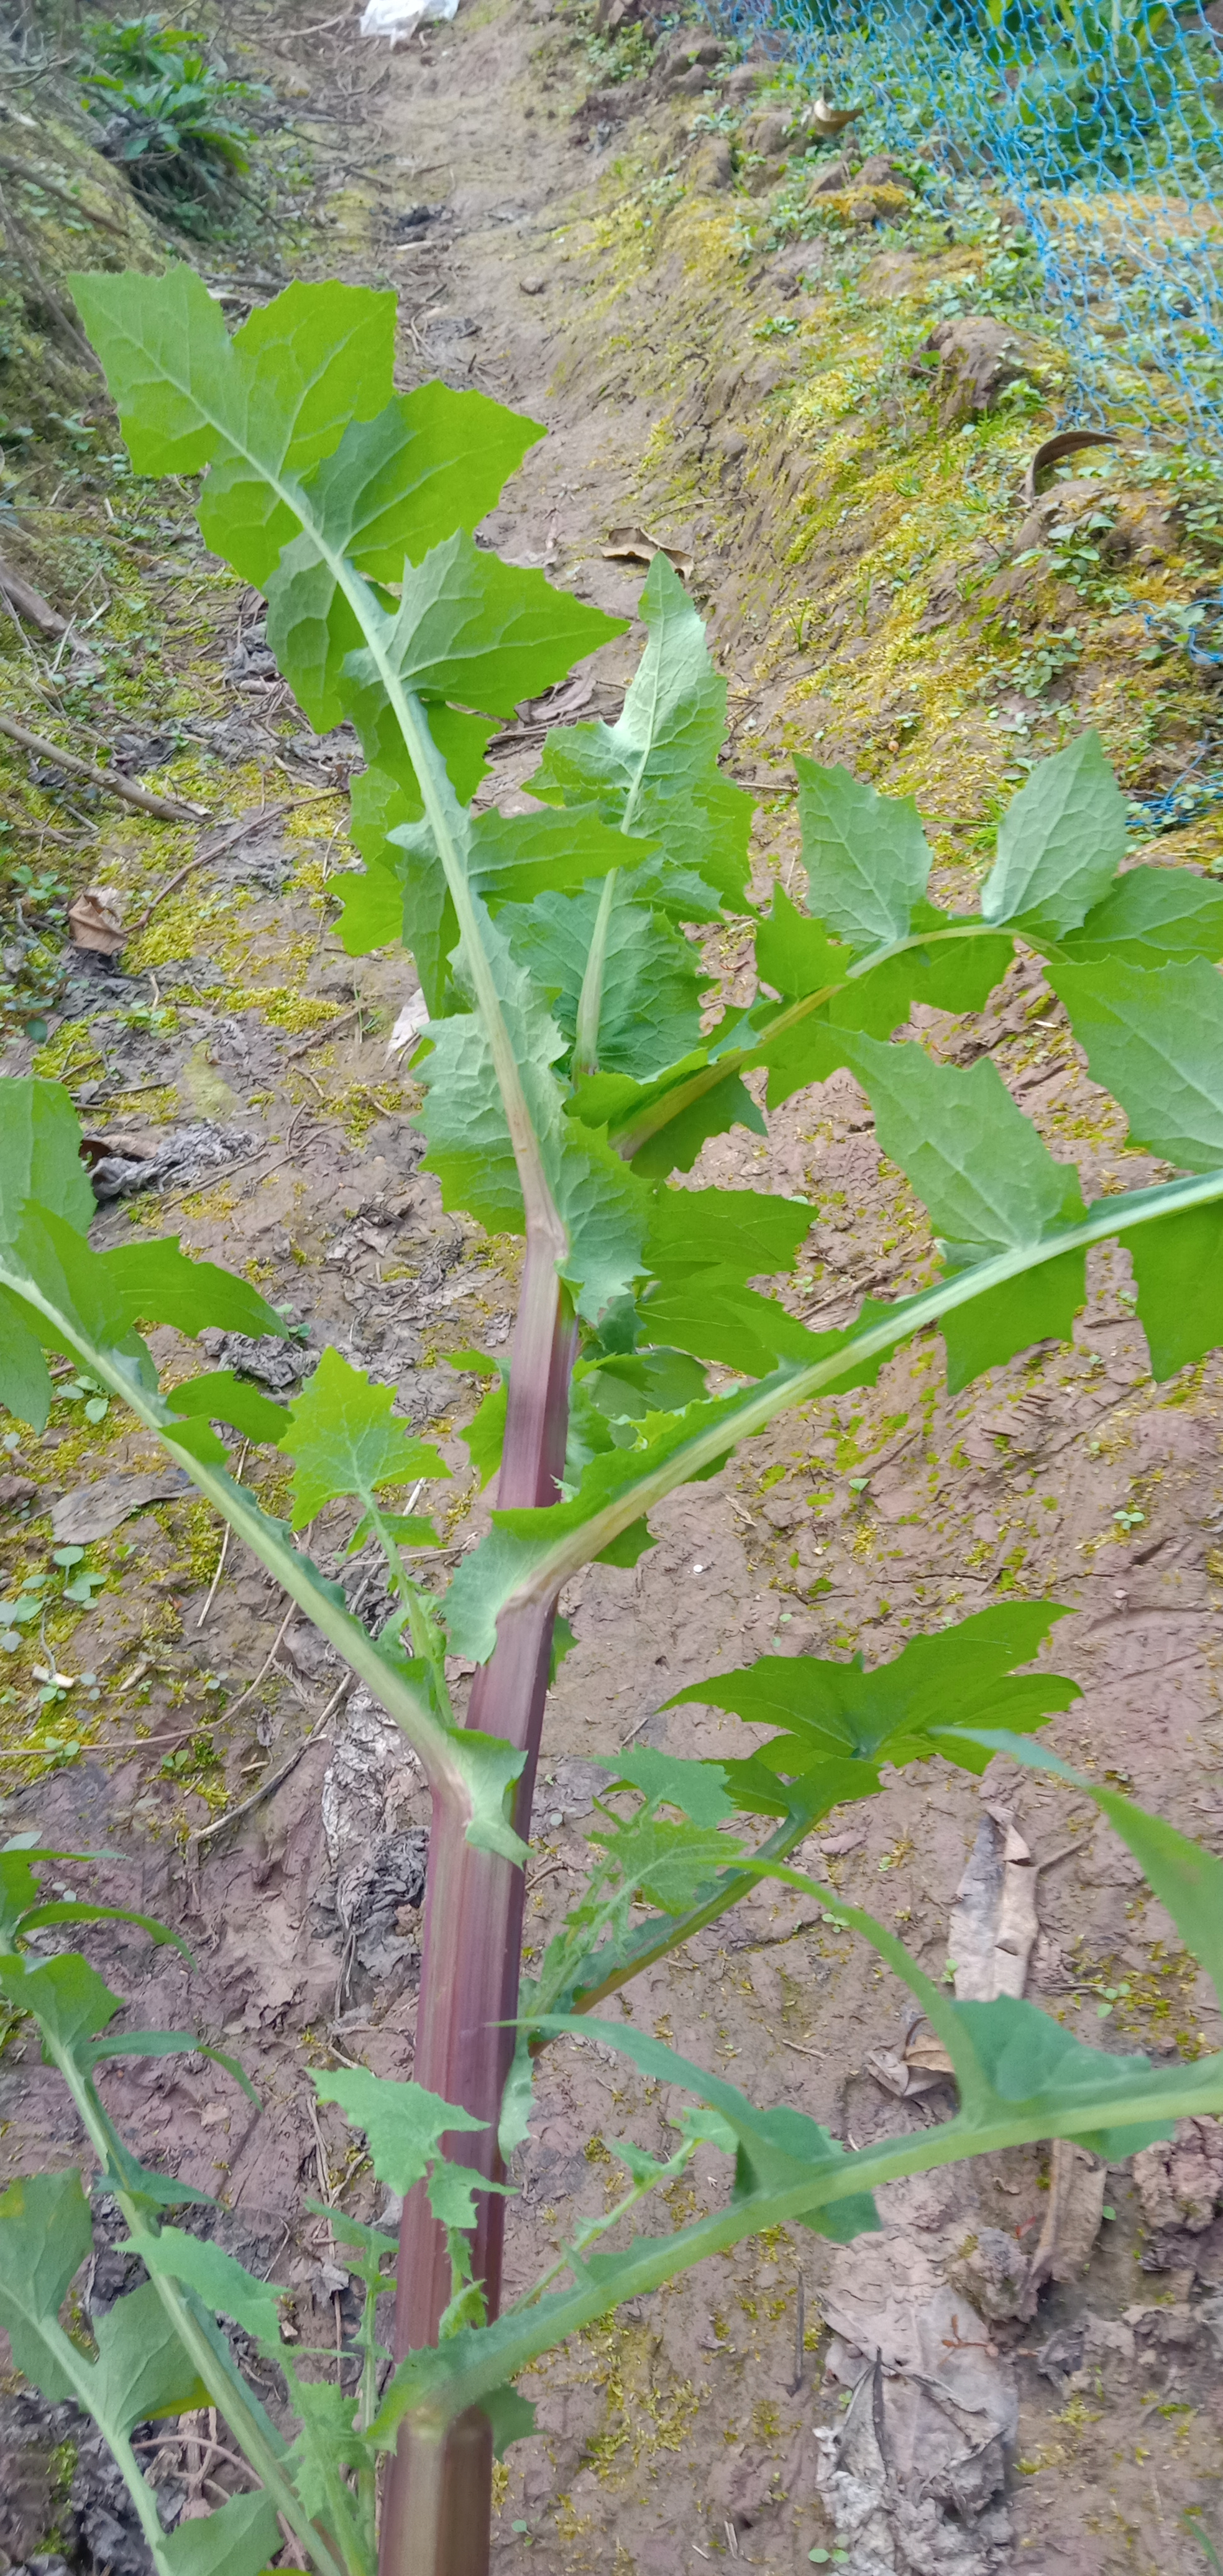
point(590, 261)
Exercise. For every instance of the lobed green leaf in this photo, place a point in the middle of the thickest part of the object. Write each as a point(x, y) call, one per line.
point(143, 2370)
point(45, 2235)
point(404, 2124)
point(600, 1202)
point(344, 1438)
point(989, 1184)
point(40, 1154)
point(866, 856)
point(1150, 917)
point(216, 2277)
point(654, 774)
point(697, 1788)
point(1155, 1040)
point(1060, 843)
point(832, 1711)
point(237, 2539)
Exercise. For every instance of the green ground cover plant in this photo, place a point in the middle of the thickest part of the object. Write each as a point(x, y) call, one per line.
point(174, 118)
point(569, 1086)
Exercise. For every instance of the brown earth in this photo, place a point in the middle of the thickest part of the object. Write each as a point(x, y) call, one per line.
point(675, 2432)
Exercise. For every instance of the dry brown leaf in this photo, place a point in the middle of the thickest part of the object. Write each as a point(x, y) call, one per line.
point(993, 1921)
point(97, 920)
point(636, 545)
point(1073, 2214)
point(924, 2050)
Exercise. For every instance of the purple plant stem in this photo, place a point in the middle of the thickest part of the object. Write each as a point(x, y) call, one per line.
point(437, 2506)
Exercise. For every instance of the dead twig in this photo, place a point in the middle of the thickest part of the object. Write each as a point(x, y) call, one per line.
point(305, 1111)
point(19, 244)
point(328, 1030)
point(24, 601)
point(793, 2043)
point(800, 2330)
point(266, 1666)
point(636, 1730)
point(572, 1869)
point(216, 2450)
point(1063, 1852)
point(324, 2168)
point(266, 1787)
point(228, 1534)
point(201, 860)
point(1061, 2170)
point(228, 841)
point(151, 1743)
point(47, 832)
point(22, 170)
point(166, 808)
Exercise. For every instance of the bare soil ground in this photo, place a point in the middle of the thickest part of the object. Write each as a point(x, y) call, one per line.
point(581, 261)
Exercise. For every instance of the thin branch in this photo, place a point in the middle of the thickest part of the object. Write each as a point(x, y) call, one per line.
point(755, 1407)
point(22, 600)
point(166, 808)
point(226, 1537)
point(50, 188)
point(793, 2043)
point(266, 1665)
point(327, 1030)
point(266, 1787)
point(217, 849)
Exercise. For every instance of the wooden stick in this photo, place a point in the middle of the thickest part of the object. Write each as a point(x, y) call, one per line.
point(22, 170)
point(237, 832)
point(324, 2164)
point(265, 1668)
point(201, 860)
point(274, 1779)
point(793, 2043)
point(327, 1030)
point(800, 2329)
point(28, 602)
point(166, 808)
point(212, 1588)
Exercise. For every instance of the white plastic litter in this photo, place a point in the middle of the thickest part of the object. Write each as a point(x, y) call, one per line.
point(399, 19)
point(410, 1022)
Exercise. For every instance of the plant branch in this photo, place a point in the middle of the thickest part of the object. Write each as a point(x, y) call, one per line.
point(428, 1736)
point(644, 1123)
point(477, 2368)
point(665, 1932)
point(593, 2228)
point(225, 2386)
point(471, 1950)
point(82, 2376)
point(1108, 1219)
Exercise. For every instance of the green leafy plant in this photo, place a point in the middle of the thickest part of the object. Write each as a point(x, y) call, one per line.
point(568, 1079)
point(31, 958)
point(174, 119)
point(1094, 82)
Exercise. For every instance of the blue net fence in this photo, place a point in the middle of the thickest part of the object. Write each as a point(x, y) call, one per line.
point(1102, 124)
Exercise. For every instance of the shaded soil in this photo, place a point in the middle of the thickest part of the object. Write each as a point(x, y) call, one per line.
point(586, 262)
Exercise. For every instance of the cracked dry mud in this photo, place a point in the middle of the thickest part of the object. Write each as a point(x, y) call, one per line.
point(675, 2433)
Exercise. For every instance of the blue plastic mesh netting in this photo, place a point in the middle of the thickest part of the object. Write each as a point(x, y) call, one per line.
point(1101, 123)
